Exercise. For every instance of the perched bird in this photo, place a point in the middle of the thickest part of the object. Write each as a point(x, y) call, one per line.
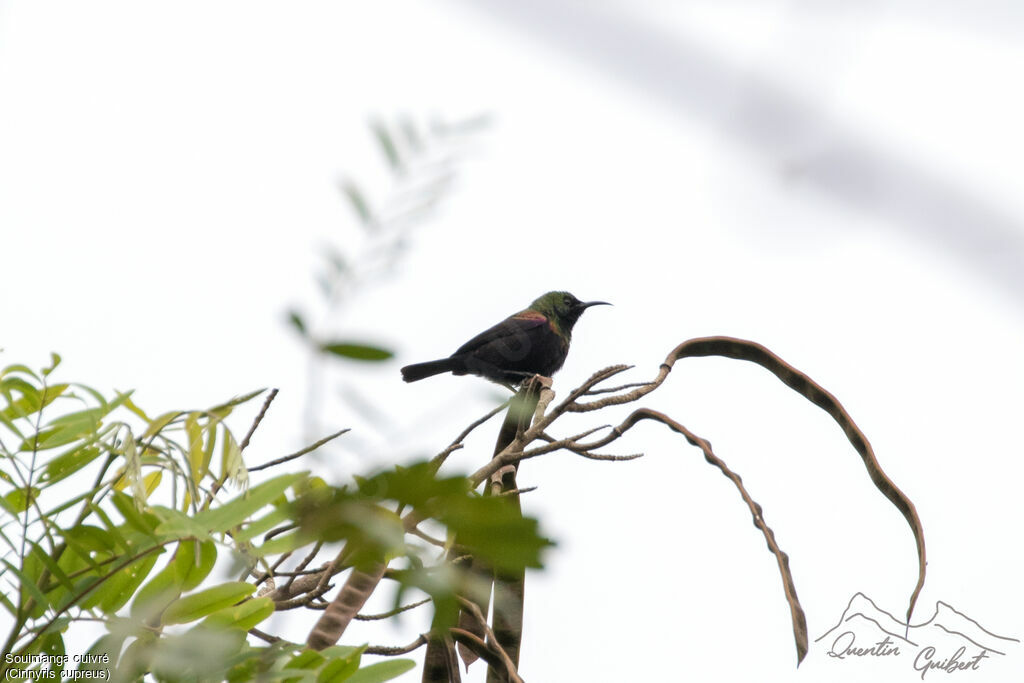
point(532, 342)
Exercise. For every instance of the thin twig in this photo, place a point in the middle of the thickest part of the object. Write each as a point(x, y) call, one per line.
point(302, 565)
point(492, 639)
point(259, 418)
point(392, 651)
point(621, 387)
point(489, 652)
point(391, 613)
point(456, 444)
point(264, 636)
point(300, 453)
point(416, 531)
point(302, 600)
point(516, 492)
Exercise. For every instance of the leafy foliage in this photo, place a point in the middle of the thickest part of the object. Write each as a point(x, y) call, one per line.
point(132, 521)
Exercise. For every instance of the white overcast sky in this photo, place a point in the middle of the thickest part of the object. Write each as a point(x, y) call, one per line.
point(841, 184)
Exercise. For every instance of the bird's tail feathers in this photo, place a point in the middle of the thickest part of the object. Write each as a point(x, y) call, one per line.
point(418, 371)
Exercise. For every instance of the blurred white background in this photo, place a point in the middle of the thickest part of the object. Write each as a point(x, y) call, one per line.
point(840, 183)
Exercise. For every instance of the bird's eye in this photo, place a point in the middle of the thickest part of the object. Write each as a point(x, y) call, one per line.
point(567, 301)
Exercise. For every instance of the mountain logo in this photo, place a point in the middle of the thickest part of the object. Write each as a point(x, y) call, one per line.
point(949, 641)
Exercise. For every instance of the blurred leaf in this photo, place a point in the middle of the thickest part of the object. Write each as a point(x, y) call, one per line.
point(282, 543)
point(371, 530)
point(109, 645)
point(297, 322)
point(493, 530)
point(192, 607)
point(387, 144)
point(411, 134)
point(358, 201)
point(199, 654)
point(414, 485)
point(356, 351)
point(381, 671)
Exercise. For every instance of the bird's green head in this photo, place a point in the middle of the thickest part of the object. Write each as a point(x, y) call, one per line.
point(563, 309)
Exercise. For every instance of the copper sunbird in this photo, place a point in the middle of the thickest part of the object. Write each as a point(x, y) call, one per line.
point(534, 341)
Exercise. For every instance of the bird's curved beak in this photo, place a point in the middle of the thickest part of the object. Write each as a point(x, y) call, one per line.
point(588, 304)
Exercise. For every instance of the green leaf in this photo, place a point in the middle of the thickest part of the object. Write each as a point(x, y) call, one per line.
point(244, 616)
point(18, 367)
point(232, 466)
point(151, 481)
point(65, 429)
point(142, 522)
point(159, 422)
point(112, 529)
point(192, 607)
point(175, 524)
point(156, 595)
point(118, 589)
point(307, 659)
point(264, 523)
point(33, 401)
point(90, 538)
point(16, 502)
point(30, 578)
point(54, 362)
point(340, 667)
point(223, 409)
point(66, 464)
point(130, 405)
point(110, 645)
point(356, 351)
point(194, 564)
point(282, 543)
point(51, 566)
point(195, 446)
point(381, 671)
point(239, 509)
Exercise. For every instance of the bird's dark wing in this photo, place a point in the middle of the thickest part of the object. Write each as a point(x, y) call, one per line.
point(508, 329)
